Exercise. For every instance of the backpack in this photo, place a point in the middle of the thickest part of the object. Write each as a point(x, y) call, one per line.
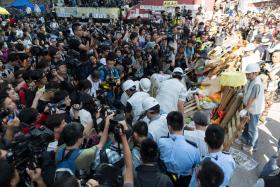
point(109, 174)
point(67, 162)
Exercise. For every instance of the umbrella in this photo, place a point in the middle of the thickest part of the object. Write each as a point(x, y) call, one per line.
point(3, 11)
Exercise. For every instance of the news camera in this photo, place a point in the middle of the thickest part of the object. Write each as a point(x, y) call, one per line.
point(27, 150)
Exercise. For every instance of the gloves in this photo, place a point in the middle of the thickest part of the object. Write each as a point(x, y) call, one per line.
point(243, 113)
point(190, 94)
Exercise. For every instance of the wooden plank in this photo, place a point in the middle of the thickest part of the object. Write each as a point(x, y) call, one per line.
point(233, 108)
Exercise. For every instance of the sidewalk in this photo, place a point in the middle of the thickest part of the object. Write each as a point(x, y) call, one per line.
point(267, 146)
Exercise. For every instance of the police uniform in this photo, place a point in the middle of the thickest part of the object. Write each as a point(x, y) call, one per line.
point(135, 102)
point(157, 126)
point(178, 156)
point(170, 92)
point(225, 161)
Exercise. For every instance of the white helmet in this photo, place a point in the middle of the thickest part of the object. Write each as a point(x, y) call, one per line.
point(149, 103)
point(178, 71)
point(128, 84)
point(145, 84)
point(252, 68)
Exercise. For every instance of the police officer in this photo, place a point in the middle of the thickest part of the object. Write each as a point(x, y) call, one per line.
point(178, 156)
point(157, 124)
point(172, 93)
point(214, 137)
point(133, 107)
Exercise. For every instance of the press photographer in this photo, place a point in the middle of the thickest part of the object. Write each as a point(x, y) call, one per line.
point(110, 78)
point(81, 41)
point(70, 157)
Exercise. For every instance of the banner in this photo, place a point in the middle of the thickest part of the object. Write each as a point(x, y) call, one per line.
point(98, 13)
point(168, 3)
point(66, 11)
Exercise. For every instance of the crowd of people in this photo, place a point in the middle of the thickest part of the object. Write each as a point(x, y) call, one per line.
point(100, 3)
point(101, 104)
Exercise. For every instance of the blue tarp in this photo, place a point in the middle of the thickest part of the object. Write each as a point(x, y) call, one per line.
point(22, 4)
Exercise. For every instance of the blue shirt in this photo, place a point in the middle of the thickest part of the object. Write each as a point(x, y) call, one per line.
point(178, 156)
point(226, 163)
point(105, 73)
point(136, 157)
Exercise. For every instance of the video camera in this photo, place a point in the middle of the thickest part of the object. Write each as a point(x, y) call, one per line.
point(53, 106)
point(263, 70)
point(27, 150)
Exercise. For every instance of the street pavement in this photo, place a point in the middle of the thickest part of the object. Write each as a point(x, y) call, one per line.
point(269, 134)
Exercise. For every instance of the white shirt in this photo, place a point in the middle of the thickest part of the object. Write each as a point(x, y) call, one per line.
point(157, 127)
point(170, 92)
point(197, 136)
point(19, 33)
point(84, 115)
point(94, 86)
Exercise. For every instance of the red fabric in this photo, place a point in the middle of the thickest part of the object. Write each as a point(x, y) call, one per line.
point(12, 21)
point(22, 95)
point(42, 119)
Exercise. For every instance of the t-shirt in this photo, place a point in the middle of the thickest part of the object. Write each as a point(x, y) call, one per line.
point(74, 44)
point(170, 92)
point(86, 158)
point(255, 91)
point(85, 117)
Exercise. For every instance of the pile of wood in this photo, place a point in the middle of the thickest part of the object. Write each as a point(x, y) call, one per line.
point(231, 105)
point(224, 58)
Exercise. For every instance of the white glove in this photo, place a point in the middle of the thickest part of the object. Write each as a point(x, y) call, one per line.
point(190, 94)
point(243, 113)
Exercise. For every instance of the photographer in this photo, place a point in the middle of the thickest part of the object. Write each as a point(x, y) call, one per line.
point(55, 123)
point(109, 75)
point(41, 103)
point(9, 178)
point(114, 152)
point(95, 81)
point(73, 137)
point(140, 133)
point(67, 180)
point(60, 73)
point(76, 41)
